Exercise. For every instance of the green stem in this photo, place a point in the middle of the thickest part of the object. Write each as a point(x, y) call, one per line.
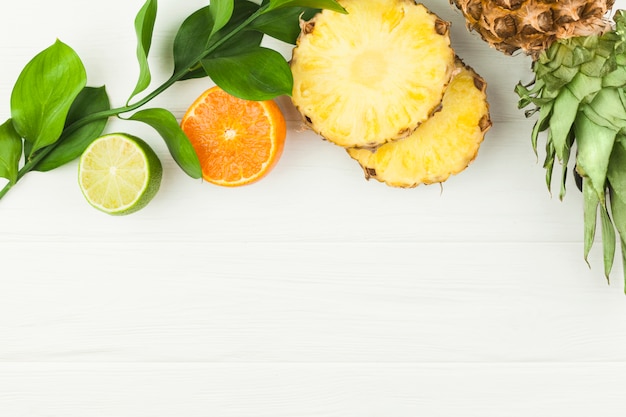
point(28, 166)
point(31, 163)
point(5, 189)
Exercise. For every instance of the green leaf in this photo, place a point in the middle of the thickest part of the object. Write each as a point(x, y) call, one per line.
point(91, 100)
point(595, 144)
point(618, 210)
point(607, 109)
point(592, 204)
point(192, 44)
point(623, 246)
point(243, 10)
point(144, 28)
point(241, 43)
point(617, 191)
point(590, 212)
point(314, 4)
point(177, 142)
point(564, 75)
point(565, 107)
point(221, 12)
point(282, 24)
point(570, 142)
point(548, 163)
point(260, 74)
point(583, 86)
point(616, 173)
point(594, 66)
point(44, 93)
point(527, 94)
point(231, 42)
point(616, 78)
point(542, 123)
point(608, 241)
point(10, 151)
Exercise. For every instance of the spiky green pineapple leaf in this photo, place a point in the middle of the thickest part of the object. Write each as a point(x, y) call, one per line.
point(566, 107)
point(590, 212)
point(616, 172)
point(570, 142)
point(562, 76)
point(580, 50)
point(608, 109)
point(584, 86)
point(528, 93)
point(595, 144)
point(548, 164)
point(542, 123)
point(592, 205)
point(616, 78)
point(596, 66)
point(617, 192)
point(608, 241)
point(618, 210)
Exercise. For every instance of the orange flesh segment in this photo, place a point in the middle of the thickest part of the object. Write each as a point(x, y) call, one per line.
point(237, 141)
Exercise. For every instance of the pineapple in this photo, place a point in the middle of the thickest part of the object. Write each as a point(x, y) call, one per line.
point(394, 94)
point(578, 95)
point(444, 145)
point(372, 75)
point(532, 25)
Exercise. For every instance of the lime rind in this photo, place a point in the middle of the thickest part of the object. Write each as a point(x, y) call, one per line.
point(105, 155)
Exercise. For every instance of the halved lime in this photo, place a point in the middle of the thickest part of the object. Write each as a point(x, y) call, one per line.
point(119, 174)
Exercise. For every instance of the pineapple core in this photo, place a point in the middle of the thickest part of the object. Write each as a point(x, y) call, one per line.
point(369, 68)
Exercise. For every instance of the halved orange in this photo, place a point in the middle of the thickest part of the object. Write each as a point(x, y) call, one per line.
point(237, 141)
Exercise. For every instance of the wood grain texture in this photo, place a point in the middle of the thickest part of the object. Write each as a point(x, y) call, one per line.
point(318, 390)
point(311, 293)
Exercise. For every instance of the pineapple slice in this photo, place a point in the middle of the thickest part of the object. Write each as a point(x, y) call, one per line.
point(373, 75)
point(442, 146)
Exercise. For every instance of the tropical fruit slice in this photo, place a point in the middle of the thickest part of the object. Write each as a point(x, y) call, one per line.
point(372, 75)
point(238, 141)
point(119, 174)
point(444, 145)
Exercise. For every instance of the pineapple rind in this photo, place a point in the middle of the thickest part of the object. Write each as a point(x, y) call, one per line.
point(533, 25)
point(442, 146)
point(372, 75)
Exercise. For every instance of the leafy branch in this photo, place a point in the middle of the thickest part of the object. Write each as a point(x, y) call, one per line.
point(55, 115)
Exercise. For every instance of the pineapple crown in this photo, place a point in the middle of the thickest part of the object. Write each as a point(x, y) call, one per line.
point(579, 95)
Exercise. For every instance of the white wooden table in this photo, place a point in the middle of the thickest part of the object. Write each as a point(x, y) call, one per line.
point(311, 293)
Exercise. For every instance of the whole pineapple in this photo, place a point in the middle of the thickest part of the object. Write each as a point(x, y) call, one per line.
point(532, 25)
point(578, 95)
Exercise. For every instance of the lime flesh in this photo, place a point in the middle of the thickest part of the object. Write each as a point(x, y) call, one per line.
point(119, 174)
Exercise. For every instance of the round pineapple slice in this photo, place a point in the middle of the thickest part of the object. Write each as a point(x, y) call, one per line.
point(442, 146)
point(372, 75)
